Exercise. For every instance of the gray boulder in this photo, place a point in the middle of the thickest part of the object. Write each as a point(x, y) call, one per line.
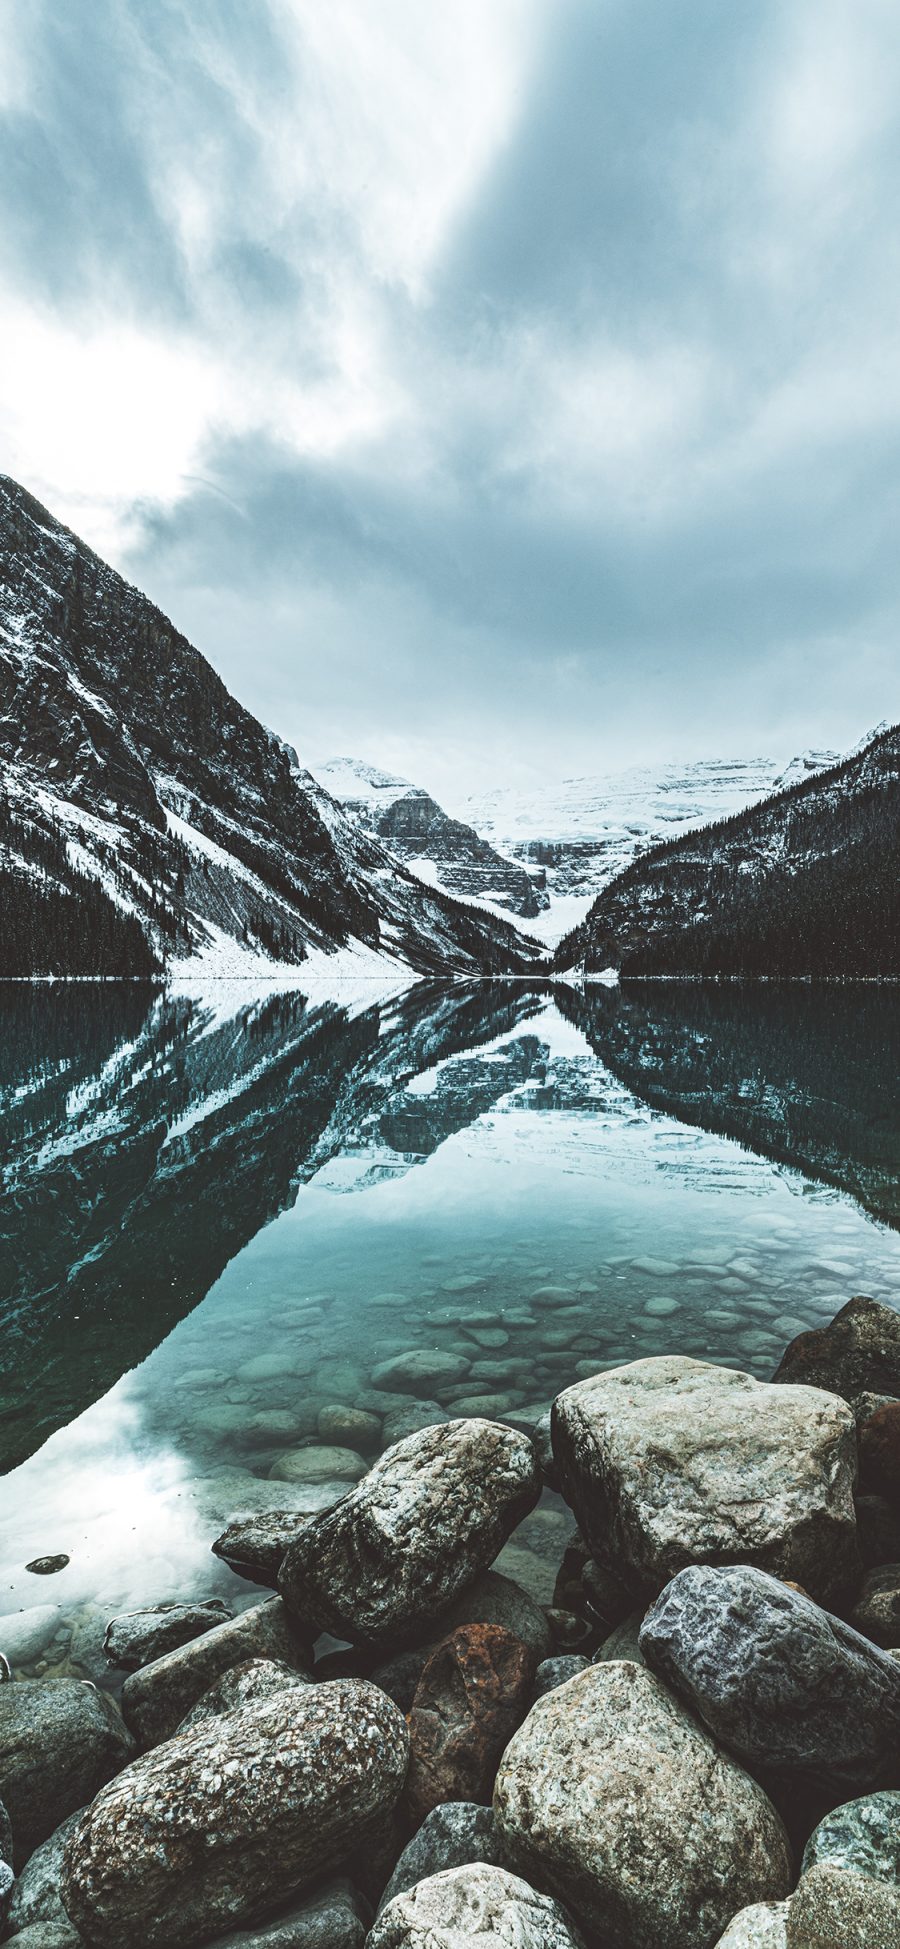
point(876, 1612)
point(137, 1637)
point(256, 1678)
point(554, 1672)
point(228, 1822)
point(783, 1684)
point(451, 1836)
point(60, 1741)
point(336, 1917)
point(762, 1927)
point(832, 1908)
point(156, 1699)
point(429, 1516)
point(862, 1835)
point(254, 1546)
point(480, 1904)
point(669, 1461)
point(611, 1795)
point(36, 1897)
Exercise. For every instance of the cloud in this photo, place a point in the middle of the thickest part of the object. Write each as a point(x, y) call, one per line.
point(478, 385)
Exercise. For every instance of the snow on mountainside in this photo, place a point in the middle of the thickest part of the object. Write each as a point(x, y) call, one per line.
point(584, 831)
point(805, 883)
point(439, 850)
point(147, 819)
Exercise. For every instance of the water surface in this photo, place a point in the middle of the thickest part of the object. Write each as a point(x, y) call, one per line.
point(220, 1215)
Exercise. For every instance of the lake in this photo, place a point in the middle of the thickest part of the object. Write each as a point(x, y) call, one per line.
point(223, 1214)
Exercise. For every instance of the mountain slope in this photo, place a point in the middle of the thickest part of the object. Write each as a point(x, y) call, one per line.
point(147, 817)
point(441, 851)
point(806, 883)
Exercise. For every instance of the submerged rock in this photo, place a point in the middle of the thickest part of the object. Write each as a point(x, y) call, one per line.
point(318, 1464)
point(669, 1461)
point(612, 1795)
point(858, 1352)
point(472, 1694)
point(420, 1368)
point(60, 1740)
point(156, 1699)
point(430, 1515)
point(25, 1634)
point(451, 1836)
point(783, 1684)
point(479, 1905)
point(226, 1822)
point(137, 1637)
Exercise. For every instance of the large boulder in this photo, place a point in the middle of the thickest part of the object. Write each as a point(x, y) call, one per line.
point(612, 1796)
point(833, 1908)
point(451, 1836)
point(863, 1835)
point(784, 1685)
point(254, 1546)
point(225, 1823)
point(857, 1353)
point(472, 1694)
point(157, 1698)
point(335, 1917)
point(478, 1906)
point(36, 1896)
point(670, 1461)
point(60, 1741)
point(431, 1513)
point(135, 1638)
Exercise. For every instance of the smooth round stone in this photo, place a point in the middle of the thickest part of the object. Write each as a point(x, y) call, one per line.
point(47, 1566)
point(349, 1427)
point(658, 1268)
point(220, 1418)
point(280, 1422)
point(24, 1634)
point(269, 1367)
point(788, 1325)
point(200, 1377)
point(486, 1404)
point(490, 1337)
point(464, 1283)
point(318, 1465)
point(661, 1308)
point(420, 1367)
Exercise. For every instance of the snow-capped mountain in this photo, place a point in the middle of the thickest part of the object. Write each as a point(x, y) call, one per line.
point(805, 883)
point(584, 831)
point(147, 818)
point(441, 851)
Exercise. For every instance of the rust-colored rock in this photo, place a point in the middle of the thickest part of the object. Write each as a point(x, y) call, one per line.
point(879, 1453)
point(473, 1693)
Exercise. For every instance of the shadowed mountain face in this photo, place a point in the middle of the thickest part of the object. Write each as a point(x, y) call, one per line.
point(805, 1076)
point(146, 1139)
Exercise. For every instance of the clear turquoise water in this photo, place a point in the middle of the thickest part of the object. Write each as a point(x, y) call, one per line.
point(221, 1214)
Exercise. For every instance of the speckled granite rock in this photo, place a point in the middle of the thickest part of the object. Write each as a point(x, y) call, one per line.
point(450, 1836)
point(669, 1461)
point(254, 1546)
point(876, 1612)
point(36, 1897)
point(554, 1672)
point(60, 1740)
point(832, 1908)
point(225, 1823)
point(335, 1917)
point(781, 1683)
point(478, 1905)
point(48, 1935)
point(429, 1516)
point(762, 1927)
point(611, 1795)
point(256, 1678)
point(863, 1835)
point(156, 1699)
point(137, 1637)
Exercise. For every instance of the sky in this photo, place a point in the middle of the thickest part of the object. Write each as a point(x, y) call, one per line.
point(497, 391)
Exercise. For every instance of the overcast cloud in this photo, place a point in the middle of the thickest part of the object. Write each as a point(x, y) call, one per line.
point(504, 388)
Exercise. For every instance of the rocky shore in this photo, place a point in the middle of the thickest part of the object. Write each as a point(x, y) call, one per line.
point(696, 1743)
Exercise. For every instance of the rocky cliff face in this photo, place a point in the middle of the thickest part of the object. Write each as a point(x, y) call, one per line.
point(442, 851)
point(140, 797)
point(805, 883)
